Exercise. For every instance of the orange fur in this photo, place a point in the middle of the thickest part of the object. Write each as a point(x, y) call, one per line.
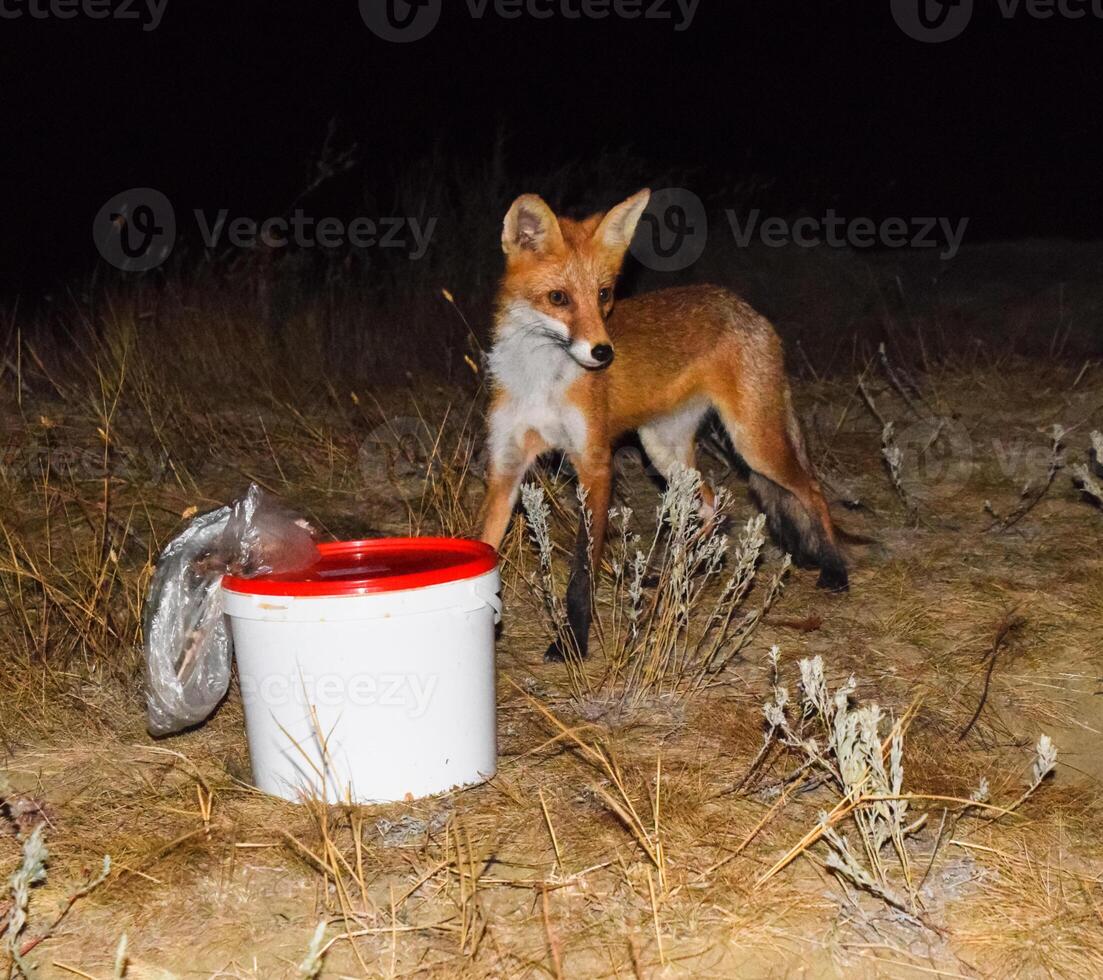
point(674, 355)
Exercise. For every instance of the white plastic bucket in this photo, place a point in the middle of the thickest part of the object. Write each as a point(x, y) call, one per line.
point(370, 677)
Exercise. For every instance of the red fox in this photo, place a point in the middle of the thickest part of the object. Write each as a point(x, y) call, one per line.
point(570, 373)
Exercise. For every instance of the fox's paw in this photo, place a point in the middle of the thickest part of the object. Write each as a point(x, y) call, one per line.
point(834, 578)
point(556, 654)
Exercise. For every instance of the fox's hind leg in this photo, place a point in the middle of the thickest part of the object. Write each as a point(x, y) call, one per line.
point(669, 443)
point(765, 432)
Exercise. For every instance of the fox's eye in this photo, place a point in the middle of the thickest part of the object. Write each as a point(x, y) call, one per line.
point(604, 294)
point(558, 298)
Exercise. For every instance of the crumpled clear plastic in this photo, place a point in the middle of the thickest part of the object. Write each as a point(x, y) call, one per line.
point(187, 639)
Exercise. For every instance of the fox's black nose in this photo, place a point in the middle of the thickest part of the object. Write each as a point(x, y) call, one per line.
point(602, 353)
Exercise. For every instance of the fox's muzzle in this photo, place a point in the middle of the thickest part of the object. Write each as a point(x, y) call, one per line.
point(595, 357)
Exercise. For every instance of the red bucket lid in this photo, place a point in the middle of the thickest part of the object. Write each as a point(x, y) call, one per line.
point(378, 565)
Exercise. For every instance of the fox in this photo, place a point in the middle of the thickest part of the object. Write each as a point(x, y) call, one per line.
point(573, 370)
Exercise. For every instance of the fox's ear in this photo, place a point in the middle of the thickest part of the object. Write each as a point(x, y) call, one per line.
point(530, 226)
point(619, 225)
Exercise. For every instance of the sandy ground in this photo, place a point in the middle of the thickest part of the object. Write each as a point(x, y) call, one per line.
point(210, 878)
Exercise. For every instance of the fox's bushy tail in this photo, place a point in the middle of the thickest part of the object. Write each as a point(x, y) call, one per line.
point(799, 532)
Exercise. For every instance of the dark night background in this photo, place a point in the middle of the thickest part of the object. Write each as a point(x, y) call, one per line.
point(829, 101)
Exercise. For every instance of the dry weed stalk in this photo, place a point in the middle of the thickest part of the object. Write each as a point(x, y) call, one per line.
point(893, 457)
point(31, 872)
point(841, 746)
point(122, 959)
point(35, 856)
point(462, 863)
point(891, 454)
point(1007, 624)
point(428, 466)
point(311, 966)
point(347, 877)
point(902, 382)
point(600, 756)
point(339, 857)
point(65, 584)
point(1036, 917)
point(1085, 475)
point(71, 598)
point(667, 639)
point(1031, 496)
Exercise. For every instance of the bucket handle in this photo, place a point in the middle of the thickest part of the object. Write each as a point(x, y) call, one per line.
point(489, 597)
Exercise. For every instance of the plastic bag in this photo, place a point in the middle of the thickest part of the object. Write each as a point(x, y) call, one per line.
point(187, 640)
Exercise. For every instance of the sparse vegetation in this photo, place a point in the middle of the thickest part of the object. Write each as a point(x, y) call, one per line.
point(842, 747)
point(642, 797)
point(663, 630)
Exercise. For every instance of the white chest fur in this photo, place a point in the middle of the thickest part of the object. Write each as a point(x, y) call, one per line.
point(534, 371)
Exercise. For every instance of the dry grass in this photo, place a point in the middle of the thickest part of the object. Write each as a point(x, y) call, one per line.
point(670, 840)
point(671, 617)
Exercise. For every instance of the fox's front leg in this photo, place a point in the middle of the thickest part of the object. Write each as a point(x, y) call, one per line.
point(595, 476)
point(510, 457)
point(502, 484)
